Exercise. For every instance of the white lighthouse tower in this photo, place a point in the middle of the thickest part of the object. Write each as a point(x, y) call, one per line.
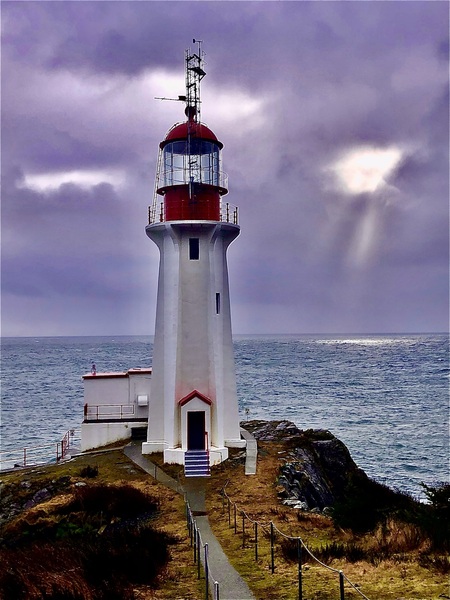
point(193, 406)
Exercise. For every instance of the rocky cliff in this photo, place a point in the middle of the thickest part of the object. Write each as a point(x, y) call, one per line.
point(316, 467)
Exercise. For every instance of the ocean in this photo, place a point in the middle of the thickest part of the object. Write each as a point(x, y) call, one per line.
point(384, 396)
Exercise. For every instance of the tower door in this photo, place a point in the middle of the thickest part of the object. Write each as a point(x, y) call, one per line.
point(196, 430)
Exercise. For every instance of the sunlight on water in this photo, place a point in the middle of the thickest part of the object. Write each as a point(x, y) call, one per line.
point(366, 341)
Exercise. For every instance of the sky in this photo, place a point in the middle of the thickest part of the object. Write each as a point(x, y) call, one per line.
point(334, 120)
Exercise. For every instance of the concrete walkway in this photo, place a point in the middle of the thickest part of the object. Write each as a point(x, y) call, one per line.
point(231, 584)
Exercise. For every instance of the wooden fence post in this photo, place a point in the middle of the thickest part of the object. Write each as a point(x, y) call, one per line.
point(341, 585)
point(300, 582)
point(272, 550)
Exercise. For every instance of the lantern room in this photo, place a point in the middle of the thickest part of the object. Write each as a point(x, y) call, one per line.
point(190, 177)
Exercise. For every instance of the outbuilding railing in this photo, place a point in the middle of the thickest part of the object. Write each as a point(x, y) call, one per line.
point(97, 412)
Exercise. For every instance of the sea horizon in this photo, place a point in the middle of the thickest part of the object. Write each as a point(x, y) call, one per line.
point(380, 394)
point(329, 333)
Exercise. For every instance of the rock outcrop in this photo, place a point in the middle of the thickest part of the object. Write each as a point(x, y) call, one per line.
point(22, 495)
point(316, 465)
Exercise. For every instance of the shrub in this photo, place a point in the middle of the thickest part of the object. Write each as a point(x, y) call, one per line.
point(441, 564)
point(136, 554)
point(97, 566)
point(123, 502)
point(350, 552)
point(434, 517)
point(367, 503)
point(89, 472)
point(397, 534)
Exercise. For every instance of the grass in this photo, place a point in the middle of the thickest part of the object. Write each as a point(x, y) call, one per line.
point(52, 533)
point(392, 561)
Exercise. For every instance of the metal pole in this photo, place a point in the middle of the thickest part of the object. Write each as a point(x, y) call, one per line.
point(195, 542)
point(300, 582)
point(256, 541)
point(198, 554)
point(341, 585)
point(272, 554)
point(243, 529)
point(235, 524)
point(216, 590)
point(206, 571)
point(229, 513)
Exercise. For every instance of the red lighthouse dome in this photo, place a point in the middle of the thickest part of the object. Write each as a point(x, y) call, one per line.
point(190, 179)
point(182, 130)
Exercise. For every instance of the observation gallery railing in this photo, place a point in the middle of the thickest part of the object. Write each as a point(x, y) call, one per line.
point(228, 213)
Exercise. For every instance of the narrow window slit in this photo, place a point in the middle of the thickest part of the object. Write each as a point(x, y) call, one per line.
point(194, 248)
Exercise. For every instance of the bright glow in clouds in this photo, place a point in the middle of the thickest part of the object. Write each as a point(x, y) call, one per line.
point(366, 169)
point(229, 105)
point(45, 181)
point(234, 105)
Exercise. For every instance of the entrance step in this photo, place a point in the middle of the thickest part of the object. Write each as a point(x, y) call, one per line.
point(196, 463)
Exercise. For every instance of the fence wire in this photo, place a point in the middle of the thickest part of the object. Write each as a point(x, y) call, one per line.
point(201, 555)
point(270, 529)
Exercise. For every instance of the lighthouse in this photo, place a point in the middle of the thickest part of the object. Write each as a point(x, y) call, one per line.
point(193, 412)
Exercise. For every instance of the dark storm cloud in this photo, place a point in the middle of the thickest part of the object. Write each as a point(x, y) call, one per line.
point(291, 87)
point(42, 146)
point(48, 246)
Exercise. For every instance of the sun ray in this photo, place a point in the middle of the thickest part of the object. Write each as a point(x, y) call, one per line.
point(366, 169)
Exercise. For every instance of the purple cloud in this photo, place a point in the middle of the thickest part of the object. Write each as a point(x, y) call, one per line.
point(290, 87)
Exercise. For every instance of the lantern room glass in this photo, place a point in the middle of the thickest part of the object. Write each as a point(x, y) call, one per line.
point(187, 161)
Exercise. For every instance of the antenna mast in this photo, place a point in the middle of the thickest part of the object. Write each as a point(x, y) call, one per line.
point(194, 74)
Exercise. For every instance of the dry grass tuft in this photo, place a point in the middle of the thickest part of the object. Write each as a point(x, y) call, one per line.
point(386, 564)
point(69, 529)
point(392, 562)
